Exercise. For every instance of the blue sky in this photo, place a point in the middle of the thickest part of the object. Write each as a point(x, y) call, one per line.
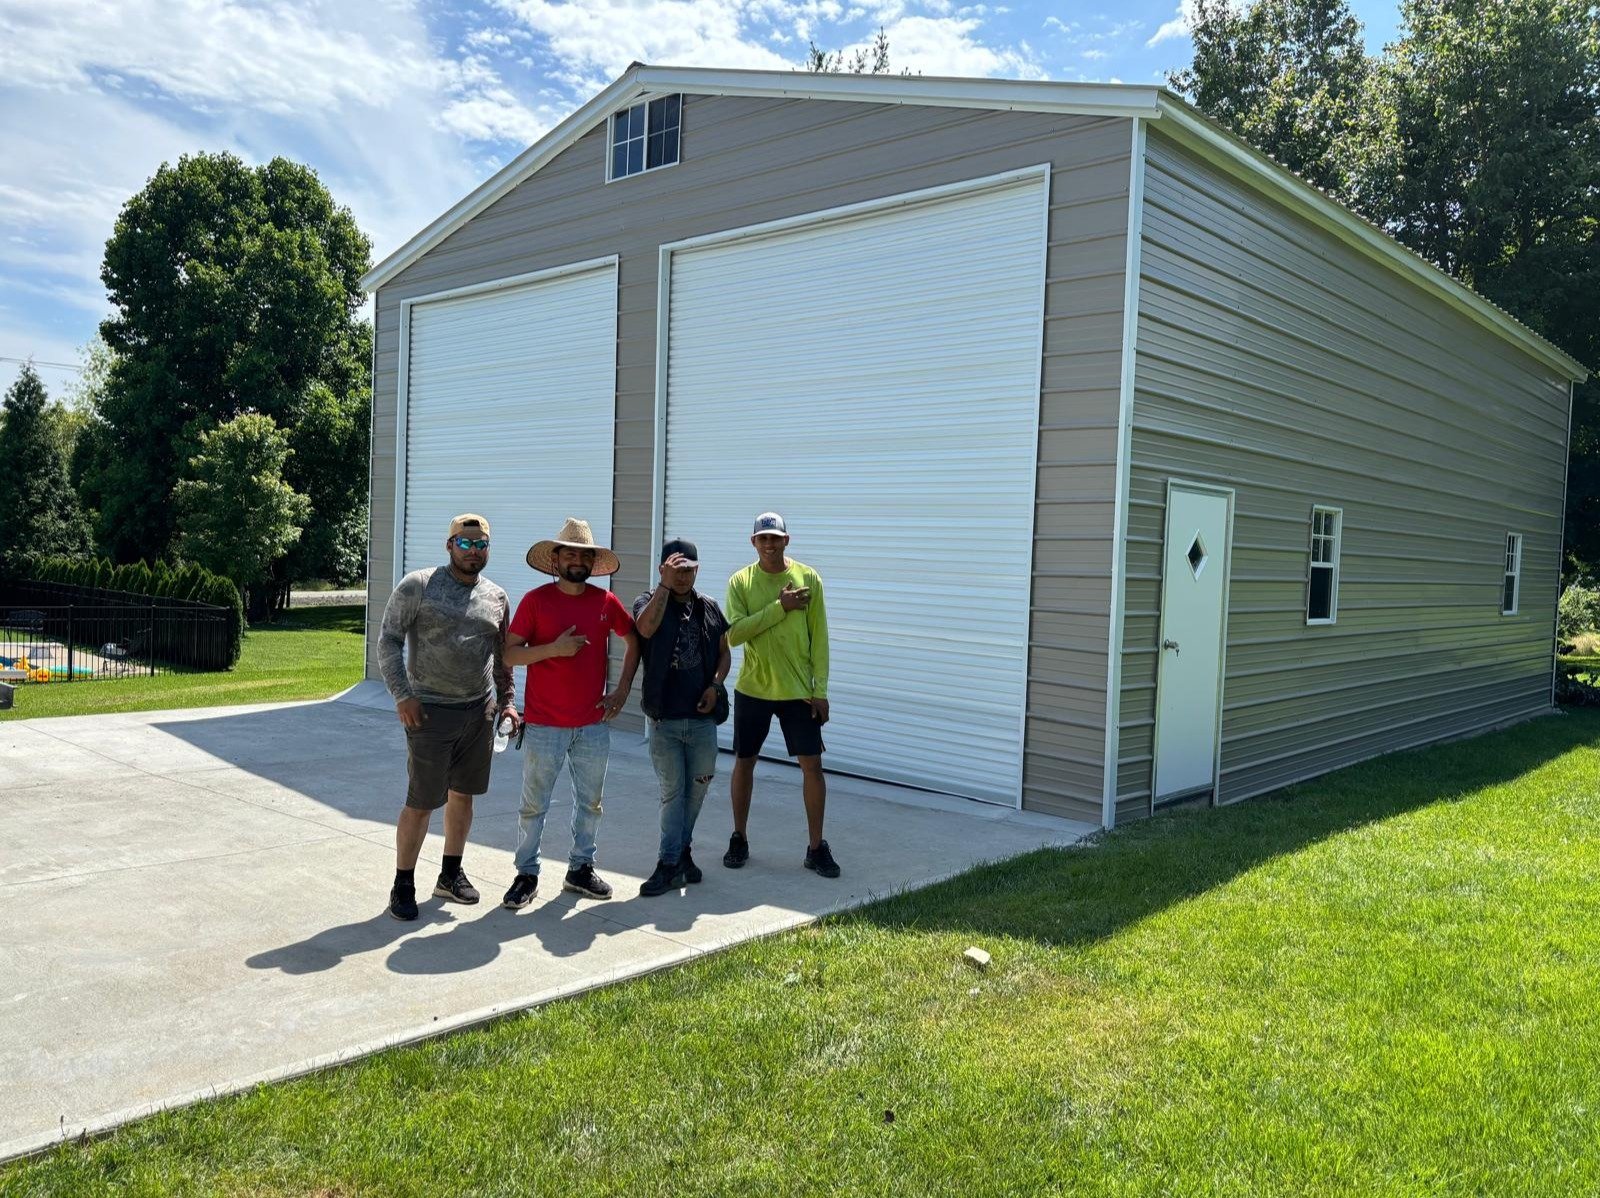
point(402, 106)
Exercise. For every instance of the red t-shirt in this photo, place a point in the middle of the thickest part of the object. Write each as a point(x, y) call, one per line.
point(563, 692)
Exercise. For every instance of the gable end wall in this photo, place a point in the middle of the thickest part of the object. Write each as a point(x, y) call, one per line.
point(747, 161)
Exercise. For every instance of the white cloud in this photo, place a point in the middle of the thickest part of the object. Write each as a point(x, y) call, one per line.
point(1179, 26)
point(401, 112)
point(595, 41)
point(1096, 54)
point(951, 46)
point(97, 97)
point(278, 57)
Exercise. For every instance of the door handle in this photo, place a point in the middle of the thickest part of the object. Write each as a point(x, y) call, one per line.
point(1173, 645)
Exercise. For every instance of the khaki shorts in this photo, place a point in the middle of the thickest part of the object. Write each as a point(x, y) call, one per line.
point(451, 751)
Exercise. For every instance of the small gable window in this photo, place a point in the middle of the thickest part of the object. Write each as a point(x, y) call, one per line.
point(645, 137)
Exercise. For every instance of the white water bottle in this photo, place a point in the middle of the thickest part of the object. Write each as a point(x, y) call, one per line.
point(502, 734)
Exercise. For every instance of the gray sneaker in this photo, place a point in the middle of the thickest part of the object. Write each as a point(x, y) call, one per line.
point(456, 889)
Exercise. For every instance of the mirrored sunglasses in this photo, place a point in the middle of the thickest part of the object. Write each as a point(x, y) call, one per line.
point(467, 543)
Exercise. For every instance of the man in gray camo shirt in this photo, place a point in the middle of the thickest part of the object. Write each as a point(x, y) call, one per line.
point(440, 652)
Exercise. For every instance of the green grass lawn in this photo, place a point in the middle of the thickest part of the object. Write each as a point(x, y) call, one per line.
point(310, 653)
point(1589, 665)
point(1383, 982)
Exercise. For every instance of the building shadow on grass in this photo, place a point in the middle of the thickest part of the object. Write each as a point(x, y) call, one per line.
point(1080, 896)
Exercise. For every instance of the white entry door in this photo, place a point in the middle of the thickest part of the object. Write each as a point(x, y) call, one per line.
point(874, 376)
point(1194, 584)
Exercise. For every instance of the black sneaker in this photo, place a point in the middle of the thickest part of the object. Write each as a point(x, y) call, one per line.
point(403, 902)
point(667, 877)
point(456, 889)
point(585, 881)
point(821, 860)
point(691, 872)
point(521, 892)
point(738, 852)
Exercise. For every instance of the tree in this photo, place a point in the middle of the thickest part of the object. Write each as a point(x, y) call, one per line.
point(1480, 149)
point(330, 443)
point(869, 60)
point(238, 515)
point(1285, 75)
point(234, 289)
point(39, 511)
point(1474, 140)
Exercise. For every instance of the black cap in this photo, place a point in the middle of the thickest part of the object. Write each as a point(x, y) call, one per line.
point(679, 545)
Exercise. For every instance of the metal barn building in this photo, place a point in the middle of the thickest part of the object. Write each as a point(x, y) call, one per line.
point(1136, 469)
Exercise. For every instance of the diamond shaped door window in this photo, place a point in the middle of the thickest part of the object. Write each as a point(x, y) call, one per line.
point(1197, 555)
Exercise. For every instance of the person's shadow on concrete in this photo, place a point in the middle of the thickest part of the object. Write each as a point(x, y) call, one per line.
point(564, 930)
point(333, 945)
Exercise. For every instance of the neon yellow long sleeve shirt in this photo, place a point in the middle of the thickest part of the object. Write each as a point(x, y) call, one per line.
point(785, 653)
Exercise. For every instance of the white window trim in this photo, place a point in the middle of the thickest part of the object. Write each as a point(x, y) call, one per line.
point(611, 128)
point(1515, 573)
point(1338, 551)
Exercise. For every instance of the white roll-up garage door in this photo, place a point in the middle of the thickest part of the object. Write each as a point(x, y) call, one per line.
point(510, 411)
point(874, 376)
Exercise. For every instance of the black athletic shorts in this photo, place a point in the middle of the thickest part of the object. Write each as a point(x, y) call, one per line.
point(451, 751)
point(752, 720)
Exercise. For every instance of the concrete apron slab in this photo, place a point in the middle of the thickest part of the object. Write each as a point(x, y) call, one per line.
point(192, 903)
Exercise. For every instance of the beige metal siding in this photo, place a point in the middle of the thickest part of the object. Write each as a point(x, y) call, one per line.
point(747, 161)
point(1274, 359)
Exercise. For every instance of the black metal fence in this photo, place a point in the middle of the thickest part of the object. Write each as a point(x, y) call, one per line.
point(81, 643)
point(178, 632)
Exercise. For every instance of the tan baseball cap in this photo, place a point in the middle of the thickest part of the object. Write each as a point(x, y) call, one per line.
point(469, 522)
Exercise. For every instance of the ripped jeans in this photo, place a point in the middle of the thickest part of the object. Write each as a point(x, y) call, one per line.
point(684, 753)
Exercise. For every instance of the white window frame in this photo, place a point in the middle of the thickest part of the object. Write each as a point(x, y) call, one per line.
point(1513, 571)
point(1312, 565)
point(611, 138)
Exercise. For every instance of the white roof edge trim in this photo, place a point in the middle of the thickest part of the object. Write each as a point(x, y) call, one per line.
point(1020, 95)
point(1017, 95)
point(505, 179)
point(1219, 146)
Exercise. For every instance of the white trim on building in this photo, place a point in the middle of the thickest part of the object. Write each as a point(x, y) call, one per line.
point(1076, 99)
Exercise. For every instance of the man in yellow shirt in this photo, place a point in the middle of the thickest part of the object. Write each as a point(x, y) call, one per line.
point(776, 611)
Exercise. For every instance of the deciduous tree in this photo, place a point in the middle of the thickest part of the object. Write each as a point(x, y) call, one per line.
point(237, 514)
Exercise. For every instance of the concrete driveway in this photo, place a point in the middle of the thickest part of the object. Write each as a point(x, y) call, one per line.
point(192, 902)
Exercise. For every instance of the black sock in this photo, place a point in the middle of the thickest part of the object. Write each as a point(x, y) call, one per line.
point(405, 877)
point(452, 866)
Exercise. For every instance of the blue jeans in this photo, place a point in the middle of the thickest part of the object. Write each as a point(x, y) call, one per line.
point(584, 751)
point(684, 753)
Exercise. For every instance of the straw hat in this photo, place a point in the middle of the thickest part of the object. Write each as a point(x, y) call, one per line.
point(575, 534)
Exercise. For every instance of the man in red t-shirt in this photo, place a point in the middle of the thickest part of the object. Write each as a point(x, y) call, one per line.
point(559, 633)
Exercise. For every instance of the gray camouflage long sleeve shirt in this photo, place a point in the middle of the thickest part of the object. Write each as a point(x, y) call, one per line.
point(443, 642)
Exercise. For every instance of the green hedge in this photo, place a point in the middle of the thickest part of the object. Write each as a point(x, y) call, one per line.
point(185, 583)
